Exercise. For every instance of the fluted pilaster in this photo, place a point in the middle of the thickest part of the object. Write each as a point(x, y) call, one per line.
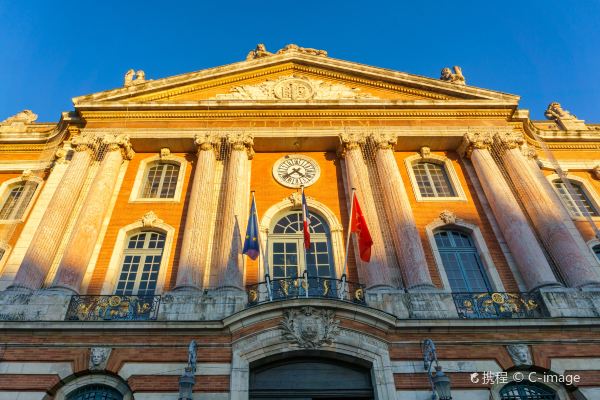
point(551, 220)
point(513, 223)
point(193, 262)
point(227, 267)
point(89, 222)
point(407, 242)
point(46, 240)
point(375, 273)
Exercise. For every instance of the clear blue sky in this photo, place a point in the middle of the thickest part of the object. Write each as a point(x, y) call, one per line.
point(540, 50)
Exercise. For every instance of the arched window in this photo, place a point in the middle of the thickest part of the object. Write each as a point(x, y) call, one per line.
point(160, 180)
point(596, 250)
point(16, 199)
point(578, 203)
point(461, 261)
point(95, 392)
point(527, 391)
point(287, 255)
point(141, 264)
point(432, 179)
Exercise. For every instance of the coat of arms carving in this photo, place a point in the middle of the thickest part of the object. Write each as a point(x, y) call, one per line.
point(310, 328)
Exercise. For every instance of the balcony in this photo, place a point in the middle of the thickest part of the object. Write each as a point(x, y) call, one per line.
point(295, 288)
point(498, 305)
point(113, 308)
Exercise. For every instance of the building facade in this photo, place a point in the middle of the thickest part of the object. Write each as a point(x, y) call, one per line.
point(122, 229)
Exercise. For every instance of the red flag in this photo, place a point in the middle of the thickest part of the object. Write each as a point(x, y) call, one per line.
point(358, 225)
point(305, 222)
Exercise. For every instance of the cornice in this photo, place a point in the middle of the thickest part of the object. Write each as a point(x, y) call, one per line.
point(317, 113)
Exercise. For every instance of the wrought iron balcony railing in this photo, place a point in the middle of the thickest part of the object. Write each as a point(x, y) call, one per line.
point(113, 308)
point(293, 288)
point(497, 305)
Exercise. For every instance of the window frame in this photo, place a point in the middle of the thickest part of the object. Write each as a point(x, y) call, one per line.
point(116, 261)
point(588, 191)
point(482, 250)
point(448, 168)
point(298, 238)
point(7, 186)
point(142, 173)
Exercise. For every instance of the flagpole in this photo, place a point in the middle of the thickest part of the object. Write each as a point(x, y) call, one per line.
point(343, 285)
point(305, 273)
point(266, 272)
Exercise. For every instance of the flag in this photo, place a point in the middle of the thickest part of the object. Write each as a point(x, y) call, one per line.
point(305, 221)
point(251, 245)
point(358, 225)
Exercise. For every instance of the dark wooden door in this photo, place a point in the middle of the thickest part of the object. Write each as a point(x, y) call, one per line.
point(310, 379)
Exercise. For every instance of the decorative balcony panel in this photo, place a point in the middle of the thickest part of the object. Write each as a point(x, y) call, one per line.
point(293, 288)
point(498, 305)
point(113, 308)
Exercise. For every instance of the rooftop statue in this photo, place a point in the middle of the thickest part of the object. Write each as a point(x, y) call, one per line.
point(563, 118)
point(456, 77)
point(259, 52)
point(24, 117)
point(133, 78)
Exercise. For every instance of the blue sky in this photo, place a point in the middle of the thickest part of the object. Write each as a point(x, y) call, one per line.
point(541, 50)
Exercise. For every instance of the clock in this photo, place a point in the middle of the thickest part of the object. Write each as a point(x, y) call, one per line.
point(294, 171)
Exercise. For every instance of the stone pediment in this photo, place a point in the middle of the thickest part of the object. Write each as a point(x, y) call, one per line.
point(295, 88)
point(292, 76)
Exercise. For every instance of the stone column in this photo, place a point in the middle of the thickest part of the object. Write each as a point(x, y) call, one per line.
point(89, 222)
point(513, 223)
point(376, 273)
point(46, 240)
point(227, 266)
point(407, 242)
point(193, 261)
point(547, 214)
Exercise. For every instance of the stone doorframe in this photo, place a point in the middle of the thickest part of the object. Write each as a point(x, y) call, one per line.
point(348, 342)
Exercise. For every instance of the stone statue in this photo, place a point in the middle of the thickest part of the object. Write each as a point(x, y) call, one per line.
point(519, 354)
point(564, 119)
point(23, 117)
point(192, 355)
point(556, 112)
point(99, 357)
point(133, 78)
point(456, 77)
point(259, 52)
point(306, 50)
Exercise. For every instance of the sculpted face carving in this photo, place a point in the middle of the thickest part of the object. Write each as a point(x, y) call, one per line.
point(98, 357)
point(519, 354)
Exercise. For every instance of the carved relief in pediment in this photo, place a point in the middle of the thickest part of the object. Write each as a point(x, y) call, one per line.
point(295, 88)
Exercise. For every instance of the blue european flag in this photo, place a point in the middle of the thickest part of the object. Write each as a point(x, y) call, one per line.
point(251, 245)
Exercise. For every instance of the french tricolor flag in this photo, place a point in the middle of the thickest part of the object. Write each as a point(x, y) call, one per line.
point(305, 221)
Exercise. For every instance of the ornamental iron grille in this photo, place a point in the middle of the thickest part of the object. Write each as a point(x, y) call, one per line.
point(292, 288)
point(113, 308)
point(497, 305)
point(95, 392)
point(526, 391)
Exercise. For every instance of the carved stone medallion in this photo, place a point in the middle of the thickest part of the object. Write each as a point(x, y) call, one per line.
point(293, 89)
point(309, 328)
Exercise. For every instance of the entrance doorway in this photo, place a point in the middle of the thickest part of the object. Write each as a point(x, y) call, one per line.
point(306, 377)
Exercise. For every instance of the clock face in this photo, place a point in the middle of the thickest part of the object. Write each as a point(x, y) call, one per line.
point(296, 170)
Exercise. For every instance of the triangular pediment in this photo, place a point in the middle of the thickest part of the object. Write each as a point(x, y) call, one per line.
point(292, 78)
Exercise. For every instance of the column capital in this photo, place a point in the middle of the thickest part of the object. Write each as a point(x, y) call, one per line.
point(206, 142)
point(509, 139)
point(350, 141)
point(60, 156)
point(475, 139)
point(241, 141)
point(385, 140)
point(121, 142)
point(84, 143)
